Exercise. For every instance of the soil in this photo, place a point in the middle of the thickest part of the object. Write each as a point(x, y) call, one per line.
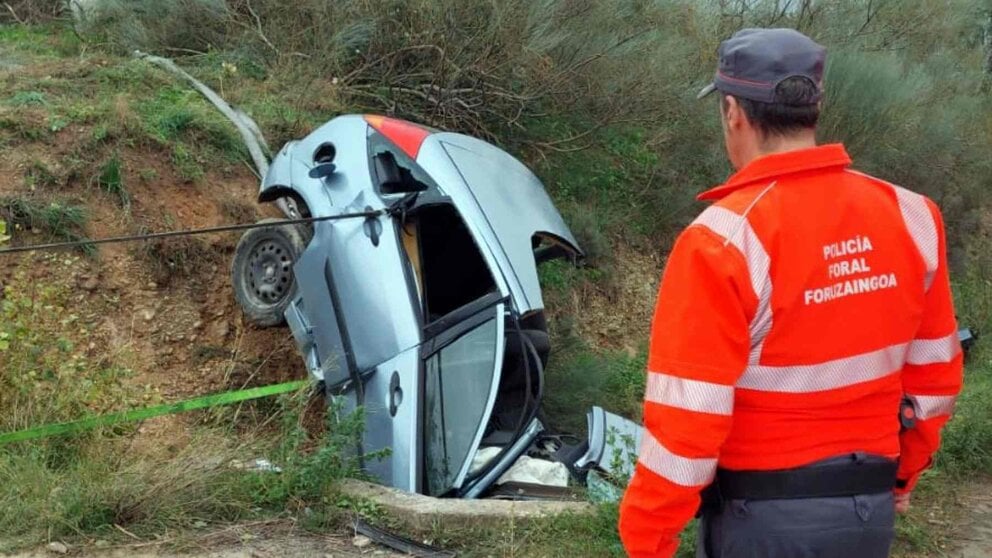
point(264, 540)
point(975, 538)
point(616, 314)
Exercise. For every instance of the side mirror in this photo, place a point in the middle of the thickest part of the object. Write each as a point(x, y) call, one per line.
point(322, 170)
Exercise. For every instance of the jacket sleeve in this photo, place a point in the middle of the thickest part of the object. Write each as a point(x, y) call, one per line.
point(699, 348)
point(932, 376)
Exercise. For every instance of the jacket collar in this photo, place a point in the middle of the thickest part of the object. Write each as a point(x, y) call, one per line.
point(778, 164)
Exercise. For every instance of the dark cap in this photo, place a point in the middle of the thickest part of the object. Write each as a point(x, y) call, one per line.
point(754, 61)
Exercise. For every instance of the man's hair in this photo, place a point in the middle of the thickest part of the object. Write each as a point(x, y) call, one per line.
point(790, 113)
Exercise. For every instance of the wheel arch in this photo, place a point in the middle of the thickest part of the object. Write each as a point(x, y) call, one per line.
point(276, 193)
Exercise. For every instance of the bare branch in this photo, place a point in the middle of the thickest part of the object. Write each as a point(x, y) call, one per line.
point(13, 13)
point(258, 25)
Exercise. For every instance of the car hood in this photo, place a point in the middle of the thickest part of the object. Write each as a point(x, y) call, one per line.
point(508, 199)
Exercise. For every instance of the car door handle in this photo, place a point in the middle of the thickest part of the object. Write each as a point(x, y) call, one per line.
point(395, 394)
point(373, 228)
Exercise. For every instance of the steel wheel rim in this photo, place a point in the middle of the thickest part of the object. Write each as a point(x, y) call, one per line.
point(270, 271)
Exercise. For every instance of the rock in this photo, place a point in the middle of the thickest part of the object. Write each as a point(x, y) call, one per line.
point(219, 330)
point(58, 548)
point(148, 314)
point(361, 541)
point(89, 283)
point(200, 524)
point(193, 337)
point(197, 324)
point(152, 285)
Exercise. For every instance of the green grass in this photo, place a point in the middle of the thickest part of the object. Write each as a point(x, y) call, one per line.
point(24, 98)
point(580, 377)
point(82, 486)
point(111, 180)
point(196, 135)
point(46, 41)
point(53, 219)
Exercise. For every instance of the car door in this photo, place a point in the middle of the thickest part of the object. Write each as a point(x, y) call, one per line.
point(462, 366)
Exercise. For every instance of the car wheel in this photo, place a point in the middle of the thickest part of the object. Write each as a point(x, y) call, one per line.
point(262, 271)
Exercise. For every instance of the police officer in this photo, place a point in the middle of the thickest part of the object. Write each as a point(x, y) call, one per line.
point(795, 316)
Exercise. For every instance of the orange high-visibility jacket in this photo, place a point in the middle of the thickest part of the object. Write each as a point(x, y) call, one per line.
point(793, 315)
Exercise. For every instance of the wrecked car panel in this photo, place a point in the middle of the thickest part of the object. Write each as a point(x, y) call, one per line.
point(412, 314)
point(508, 198)
point(613, 444)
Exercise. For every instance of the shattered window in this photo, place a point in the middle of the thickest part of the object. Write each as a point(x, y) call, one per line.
point(457, 387)
point(393, 171)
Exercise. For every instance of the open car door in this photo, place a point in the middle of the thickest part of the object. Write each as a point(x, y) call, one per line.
point(461, 378)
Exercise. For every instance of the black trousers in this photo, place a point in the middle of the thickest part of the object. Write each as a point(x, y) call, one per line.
point(839, 527)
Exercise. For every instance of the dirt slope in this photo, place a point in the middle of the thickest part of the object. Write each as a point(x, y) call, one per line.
point(166, 308)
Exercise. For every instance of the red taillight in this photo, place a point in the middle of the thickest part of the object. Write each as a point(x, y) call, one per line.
point(408, 137)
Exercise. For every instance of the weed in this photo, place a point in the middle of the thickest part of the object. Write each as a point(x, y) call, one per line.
point(56, 220)
point(309, 476)
point(111, 180)
point(186, 164)
point(100, 133)
point(557, 276)
point(24, 125)
point(24, 98)
point(37, 174)
point(35, 40)
point(567, 534)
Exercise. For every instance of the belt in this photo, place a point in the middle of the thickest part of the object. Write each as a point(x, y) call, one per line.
point(821, 481)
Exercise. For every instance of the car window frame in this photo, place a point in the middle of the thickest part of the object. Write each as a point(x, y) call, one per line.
point(495, 308)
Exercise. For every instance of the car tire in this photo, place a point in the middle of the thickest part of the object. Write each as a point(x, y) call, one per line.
point(262, 271)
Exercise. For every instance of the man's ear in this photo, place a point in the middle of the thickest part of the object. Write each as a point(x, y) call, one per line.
point(733, 114)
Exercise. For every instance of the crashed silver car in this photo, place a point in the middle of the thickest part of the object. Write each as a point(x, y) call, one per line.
point(422, 305)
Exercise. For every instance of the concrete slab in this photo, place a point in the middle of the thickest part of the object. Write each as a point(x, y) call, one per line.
point(419, 512)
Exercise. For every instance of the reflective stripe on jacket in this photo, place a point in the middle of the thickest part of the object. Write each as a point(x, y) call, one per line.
point(793, 315)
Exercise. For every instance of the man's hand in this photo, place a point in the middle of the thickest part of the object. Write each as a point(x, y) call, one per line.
point(902, 502)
